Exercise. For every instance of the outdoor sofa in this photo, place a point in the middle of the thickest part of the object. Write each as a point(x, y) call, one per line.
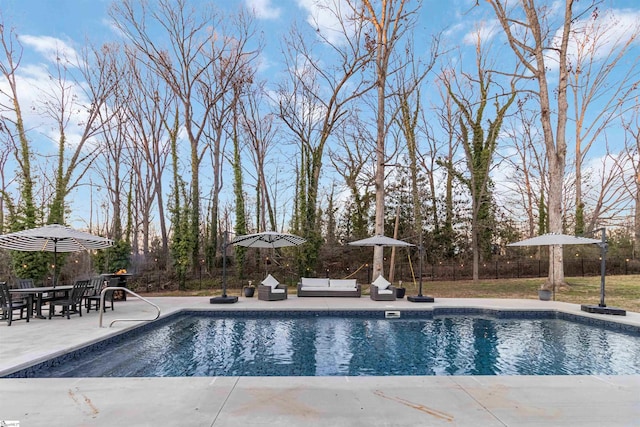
point(325, 287)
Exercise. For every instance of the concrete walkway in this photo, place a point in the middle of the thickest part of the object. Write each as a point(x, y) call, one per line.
point(293, 401)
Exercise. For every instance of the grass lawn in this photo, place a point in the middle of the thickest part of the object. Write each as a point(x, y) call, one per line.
point(621, 291)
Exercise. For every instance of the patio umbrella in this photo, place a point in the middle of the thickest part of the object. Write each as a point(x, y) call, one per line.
point(380, 240)
point(551, 239)
point(558, 239)
point(268, 239)
point(53, 238)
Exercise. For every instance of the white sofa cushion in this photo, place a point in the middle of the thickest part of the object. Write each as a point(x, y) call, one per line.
point(342, 283)
point(270, 281)
point(316, 288)
point(385, 291)
point(381, 282)
point(315, 282)
point(277, 291)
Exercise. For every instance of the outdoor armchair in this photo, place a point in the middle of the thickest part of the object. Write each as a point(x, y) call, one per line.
point(382, 290)
point(272, 290)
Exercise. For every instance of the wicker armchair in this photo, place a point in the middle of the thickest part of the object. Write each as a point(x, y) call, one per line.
point(269, 293)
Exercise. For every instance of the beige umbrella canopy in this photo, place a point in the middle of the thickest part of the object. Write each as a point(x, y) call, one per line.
point(380, 240)
point(53, 238)
point(268, 239)
point(551, 239)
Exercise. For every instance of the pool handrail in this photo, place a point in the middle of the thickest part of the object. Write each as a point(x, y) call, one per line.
point(120, 288)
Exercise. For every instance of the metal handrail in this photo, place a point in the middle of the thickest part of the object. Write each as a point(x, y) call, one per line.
point(104, 291)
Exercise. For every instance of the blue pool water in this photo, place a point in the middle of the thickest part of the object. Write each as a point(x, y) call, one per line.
point(203, 345)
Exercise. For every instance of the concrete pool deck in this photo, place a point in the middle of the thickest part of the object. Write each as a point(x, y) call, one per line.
point(292, 401)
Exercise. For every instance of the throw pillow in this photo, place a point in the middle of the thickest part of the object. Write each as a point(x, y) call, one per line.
point(270, 281)
point(381, 282)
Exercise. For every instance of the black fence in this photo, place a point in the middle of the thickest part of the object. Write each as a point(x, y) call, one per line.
point(526, 268)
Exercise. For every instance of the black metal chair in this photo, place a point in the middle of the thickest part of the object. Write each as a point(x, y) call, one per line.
point(73, 303)
point(108, 296)
point(8, 305)
point(25, 283)
point(95, 286)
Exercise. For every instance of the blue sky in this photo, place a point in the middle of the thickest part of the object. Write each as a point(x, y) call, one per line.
point(70, 24)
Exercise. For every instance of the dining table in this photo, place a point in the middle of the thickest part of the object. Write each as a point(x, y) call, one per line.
point(38, 293)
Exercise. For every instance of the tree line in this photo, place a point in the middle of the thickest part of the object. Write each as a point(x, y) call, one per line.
point(372, 126)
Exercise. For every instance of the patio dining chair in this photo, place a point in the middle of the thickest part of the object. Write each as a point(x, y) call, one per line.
point(8, 305)
point(25, 283)
point(73, 303)
point(94, 299)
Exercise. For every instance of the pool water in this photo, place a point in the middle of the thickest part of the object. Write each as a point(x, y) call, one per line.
point(201, 345)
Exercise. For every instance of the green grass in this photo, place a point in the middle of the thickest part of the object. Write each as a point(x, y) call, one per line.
point(621, 291)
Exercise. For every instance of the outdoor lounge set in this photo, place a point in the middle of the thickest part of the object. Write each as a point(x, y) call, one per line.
point(272, 290)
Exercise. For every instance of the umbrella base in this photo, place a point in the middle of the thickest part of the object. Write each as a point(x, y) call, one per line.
point(420, 298)
point(223, 300)
point(603, 310)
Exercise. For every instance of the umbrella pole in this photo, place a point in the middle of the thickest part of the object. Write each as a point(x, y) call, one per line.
point(55, 262)
point(420, 269)
point(602, 307)
point(224, 299)
point(603, 266)
point(420, 297)
point(224, 266)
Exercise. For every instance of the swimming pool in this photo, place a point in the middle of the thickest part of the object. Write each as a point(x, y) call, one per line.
point(354, 344)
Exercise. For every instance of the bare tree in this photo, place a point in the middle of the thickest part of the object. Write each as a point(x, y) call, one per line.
point(13, 127)
point(261, 131)
point(605, 189)
point(529, 29)
point(388, 21)
point(197, 58)
point(351, 157)
point(478, 130)
point(440, 159)
point(231, 73)
point(312, 102)
point(72, 96)
point(149, 110)
point(632, 148)
point(603, 81)
point(525, 160)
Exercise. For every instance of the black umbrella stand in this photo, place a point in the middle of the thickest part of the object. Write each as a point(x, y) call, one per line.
point(224, 298)
point(602, 307)
point(420, 297)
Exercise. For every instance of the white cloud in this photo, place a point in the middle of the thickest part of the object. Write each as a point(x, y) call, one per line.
point(38, 93)
point(484, 31)
point(53, 49)
point(329, 18)
point(263, 9)
point(596, 38)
